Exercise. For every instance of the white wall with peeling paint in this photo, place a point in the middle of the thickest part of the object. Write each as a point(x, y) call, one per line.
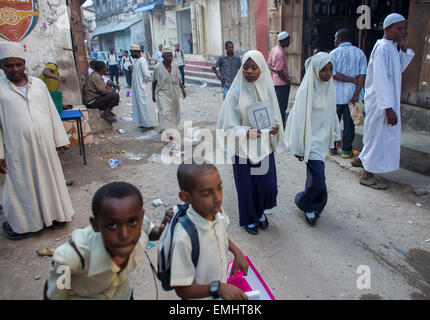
point(51, 41)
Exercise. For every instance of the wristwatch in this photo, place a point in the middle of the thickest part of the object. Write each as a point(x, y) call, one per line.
point(214, 288)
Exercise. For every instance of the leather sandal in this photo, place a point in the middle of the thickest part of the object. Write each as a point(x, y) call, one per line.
point(10, 234)
point(373, 183)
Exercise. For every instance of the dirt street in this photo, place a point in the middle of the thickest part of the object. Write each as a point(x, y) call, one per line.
point(296, 260)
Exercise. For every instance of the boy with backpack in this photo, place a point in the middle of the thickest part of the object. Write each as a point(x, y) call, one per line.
point(97, 261)
point(193, 252)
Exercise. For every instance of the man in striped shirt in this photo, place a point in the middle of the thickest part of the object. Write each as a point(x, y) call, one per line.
point(349, 74)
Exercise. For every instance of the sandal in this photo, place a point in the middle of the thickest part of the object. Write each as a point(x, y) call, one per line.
point(357, 163)
point(10, 234)
point(58, 225)
point(373, 183)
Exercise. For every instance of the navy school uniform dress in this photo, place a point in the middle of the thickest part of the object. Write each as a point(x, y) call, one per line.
point(255, 193)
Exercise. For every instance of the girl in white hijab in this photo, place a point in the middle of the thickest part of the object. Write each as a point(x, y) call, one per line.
point(312, 129)
point(257, 191)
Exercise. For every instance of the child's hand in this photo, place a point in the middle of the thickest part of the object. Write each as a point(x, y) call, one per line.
point(241, 263)
point(275, 130)
point(230, 292)
point(167, 218)
point(299, 157)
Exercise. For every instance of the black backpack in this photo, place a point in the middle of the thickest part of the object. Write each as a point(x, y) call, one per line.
point(165, 245)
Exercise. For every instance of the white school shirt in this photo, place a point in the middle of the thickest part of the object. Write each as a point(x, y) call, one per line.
point(212, 263)
point(100, 278)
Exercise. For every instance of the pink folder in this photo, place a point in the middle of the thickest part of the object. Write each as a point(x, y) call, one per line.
point(252, 282)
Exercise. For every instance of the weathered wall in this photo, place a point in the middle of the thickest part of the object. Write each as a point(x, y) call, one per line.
point(51, 41)
point(213, 27)
point(159, 29)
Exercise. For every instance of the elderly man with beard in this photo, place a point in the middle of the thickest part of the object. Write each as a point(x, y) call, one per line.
point(166, 87)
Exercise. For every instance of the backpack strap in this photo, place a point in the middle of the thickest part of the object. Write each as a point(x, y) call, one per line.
point(73, 244)
point(190, 228)
point(182, 209)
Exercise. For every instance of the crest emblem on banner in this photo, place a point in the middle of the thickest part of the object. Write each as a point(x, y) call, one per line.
point(17, 18)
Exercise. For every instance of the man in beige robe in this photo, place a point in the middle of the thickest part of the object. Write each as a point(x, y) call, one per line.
point(31, 132)
point(166, 90)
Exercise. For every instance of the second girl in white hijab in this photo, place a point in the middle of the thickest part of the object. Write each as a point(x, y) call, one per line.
point(312, 129)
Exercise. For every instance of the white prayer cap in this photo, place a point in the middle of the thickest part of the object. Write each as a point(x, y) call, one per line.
point(393, 18)
point(11, 50)
point(134, 47)
point(283, 35)
point(167, 50)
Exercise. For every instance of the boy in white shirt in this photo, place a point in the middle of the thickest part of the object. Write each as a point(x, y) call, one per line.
point(97, 261)
point(201, 188)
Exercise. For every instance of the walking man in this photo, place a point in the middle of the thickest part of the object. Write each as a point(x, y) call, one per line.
point(179, 59)
point(382, 125)
point(113, 65)
point(166, 91)
point(144, 109)
point(349, 74)
point(31, 133)
point(126, 63)
point(158, 56)
point(279, 71)
point(229, 64)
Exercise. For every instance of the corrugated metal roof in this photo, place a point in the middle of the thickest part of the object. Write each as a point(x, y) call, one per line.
point(148, 7)
point(113, 27)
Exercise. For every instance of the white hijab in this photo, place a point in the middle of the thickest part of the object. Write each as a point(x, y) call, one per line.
point(315, 99)
point(234, 116)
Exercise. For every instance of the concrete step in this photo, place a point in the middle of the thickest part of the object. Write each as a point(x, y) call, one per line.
point(199, 63)
point(415, 150)
point(403, 176)
point(202, 81)
point(200, 74)
point(198, 68)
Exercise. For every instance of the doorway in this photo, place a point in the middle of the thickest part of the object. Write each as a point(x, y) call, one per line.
point(324, 17)
point(183, 20)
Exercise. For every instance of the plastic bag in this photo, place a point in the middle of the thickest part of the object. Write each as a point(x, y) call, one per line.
point(357, 112)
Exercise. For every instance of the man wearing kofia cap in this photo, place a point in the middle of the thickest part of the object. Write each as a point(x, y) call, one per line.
point(382, 125)
point(31, 133)
point(279, 70)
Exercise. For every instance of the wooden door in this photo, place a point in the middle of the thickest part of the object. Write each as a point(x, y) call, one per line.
point(172, 32)
point(238, 20)
point(292, 22)
point(416, 78)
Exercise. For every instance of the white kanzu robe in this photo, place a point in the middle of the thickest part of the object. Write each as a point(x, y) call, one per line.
point(144, 109)
point(167, 94)
point(381, 152)
point(35, 191)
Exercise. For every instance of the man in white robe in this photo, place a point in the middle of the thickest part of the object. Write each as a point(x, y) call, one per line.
point(382, 126)
point(144, 109)
point(31, 132)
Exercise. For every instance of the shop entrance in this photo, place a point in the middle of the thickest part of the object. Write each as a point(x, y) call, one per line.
point(183, 20)
point(324, 17)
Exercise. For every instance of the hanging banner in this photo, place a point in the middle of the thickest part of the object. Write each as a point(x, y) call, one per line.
point(17, 18)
